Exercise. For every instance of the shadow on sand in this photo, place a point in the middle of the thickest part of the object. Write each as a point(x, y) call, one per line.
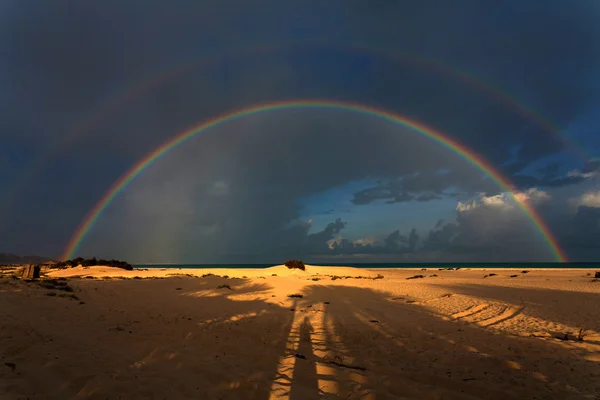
point(538, 302)
point(191, 340)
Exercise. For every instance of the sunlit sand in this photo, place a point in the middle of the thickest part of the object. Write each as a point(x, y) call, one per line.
point(353, 333)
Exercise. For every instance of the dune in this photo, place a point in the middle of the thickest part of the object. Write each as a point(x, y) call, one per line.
point(280, 270)
point(276, 333)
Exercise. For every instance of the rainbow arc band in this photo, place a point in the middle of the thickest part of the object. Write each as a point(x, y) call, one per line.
point(477, 161)
point(116, 102)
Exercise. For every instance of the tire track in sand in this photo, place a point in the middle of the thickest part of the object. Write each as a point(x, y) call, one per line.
point(470, 311)
point(508, 313)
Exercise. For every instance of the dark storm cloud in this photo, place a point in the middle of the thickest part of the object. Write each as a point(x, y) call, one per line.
point(422, 186)
point(585, 229)
point(61, 63)
point(492, 227)
point(307, 161)
point(549, 172)
point(549, 176)
point(319, 239)
point(327, 212)
point(428, 197)
point(526, 181)
point(515, 51)
point(95, 49)
point(489, 228)
point(366, 196)
point(396, 241)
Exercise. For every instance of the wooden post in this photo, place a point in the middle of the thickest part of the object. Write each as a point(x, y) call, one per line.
point(26, 272)
point(31, 272)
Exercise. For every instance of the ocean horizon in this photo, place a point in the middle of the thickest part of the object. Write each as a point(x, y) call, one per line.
point(528, 265)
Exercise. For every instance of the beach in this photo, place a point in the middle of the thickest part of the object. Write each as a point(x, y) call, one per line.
point(276, 333)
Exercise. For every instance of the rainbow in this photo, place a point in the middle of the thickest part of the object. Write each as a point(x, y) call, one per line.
point(466, 154)
point(116, 102)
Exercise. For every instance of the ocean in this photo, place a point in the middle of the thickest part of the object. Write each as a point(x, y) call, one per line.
point(523, 265)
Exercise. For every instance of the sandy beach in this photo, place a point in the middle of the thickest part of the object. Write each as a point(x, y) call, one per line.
point(107, 333)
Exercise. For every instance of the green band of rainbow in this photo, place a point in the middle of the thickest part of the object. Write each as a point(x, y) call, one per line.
point(472, 158)
point(115, 104)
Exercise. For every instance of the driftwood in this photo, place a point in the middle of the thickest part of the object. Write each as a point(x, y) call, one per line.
point(31, 272)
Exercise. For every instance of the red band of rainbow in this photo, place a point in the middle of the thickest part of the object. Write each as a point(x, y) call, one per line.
point(469, 156)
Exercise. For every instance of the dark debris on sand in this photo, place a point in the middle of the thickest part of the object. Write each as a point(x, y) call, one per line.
point(224, 287)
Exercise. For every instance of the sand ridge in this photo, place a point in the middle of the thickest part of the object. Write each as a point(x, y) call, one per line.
point(450, 334)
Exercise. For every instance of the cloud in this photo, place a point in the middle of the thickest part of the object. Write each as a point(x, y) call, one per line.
point(489, 227)
point(367, 196)
point(533, 195)
point(498, 200)
point(327, 212)
point(332, 243)
point(228, 184)
point(197, 201)
point(580, 234)
point(428, 197)
point(365, 241)
point(423, 185)
point(590, 200)
point(584, 175)
point(585, 231)
point(396, 242)
point(571, 178)
point(317, 241)
point(505, 200)
point(110, 83)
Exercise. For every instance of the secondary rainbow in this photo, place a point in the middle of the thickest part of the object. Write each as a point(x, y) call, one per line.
point(469, 156)
point(145, 85)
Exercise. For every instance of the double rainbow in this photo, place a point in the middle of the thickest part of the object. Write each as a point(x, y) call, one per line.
point(477, 161)
point(116, 102)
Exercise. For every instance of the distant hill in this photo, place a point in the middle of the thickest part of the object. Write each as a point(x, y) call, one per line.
point(6, 258)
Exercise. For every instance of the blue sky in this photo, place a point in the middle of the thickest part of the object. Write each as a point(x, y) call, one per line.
point(244, 191)
point(379, 219)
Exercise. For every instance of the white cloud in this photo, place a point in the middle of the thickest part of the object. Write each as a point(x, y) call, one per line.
point(365, 241)
point(464, 207)
point(590, 199)
point(499, 201)
point(585, 175)
point(533, 195)
point(504, 201)
point(334, 242)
